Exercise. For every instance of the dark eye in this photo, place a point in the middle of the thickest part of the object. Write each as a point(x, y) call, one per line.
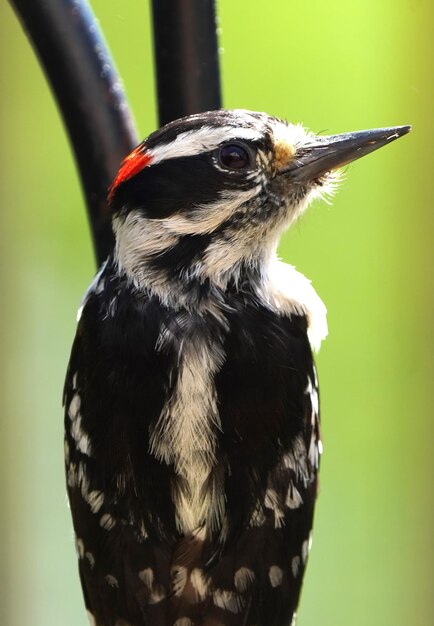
point(234, 156)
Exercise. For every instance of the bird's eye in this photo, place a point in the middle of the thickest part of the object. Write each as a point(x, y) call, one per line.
point(234, 156)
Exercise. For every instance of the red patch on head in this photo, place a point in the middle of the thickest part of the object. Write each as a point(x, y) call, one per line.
point(131, 165)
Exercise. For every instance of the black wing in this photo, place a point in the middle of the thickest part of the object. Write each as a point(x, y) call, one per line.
point(269, 406)
point(119, 494)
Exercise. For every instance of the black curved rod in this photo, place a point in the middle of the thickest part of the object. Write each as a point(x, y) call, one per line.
point(186, 57)
point(79, 68)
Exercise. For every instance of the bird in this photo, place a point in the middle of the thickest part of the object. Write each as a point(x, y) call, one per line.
point(192, 434)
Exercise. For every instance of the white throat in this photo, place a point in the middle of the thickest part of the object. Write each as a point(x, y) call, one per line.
point(280, 286)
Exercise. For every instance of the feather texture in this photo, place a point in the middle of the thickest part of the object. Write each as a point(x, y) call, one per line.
point(242, 563)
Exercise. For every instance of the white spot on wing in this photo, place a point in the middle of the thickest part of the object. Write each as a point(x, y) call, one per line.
point(79, 547)
point(315, 444)
point(80, 437)
point(83, 479)
point(95, 500)
point(243, 578)
point(305, 550)
point(158, 594)
point(293, 497)
point(315, 375)
point(157, 591)
point(272, 502)
point(183, 621)
point(77, 477)
point(72, 475)
point(74, 406)
point(275, 574)
point(199, 582)
point(258, 517)
point(66, 451)
point(147, 577)
point(313, 452)
point(314, 401)
point(228, 600)
point(142, 532)
point(107, 522)
point(295, 566)
point(310, 540)
point(178, 574)
point(112, 581)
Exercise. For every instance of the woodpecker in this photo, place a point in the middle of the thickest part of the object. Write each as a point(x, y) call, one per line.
point(192, 437)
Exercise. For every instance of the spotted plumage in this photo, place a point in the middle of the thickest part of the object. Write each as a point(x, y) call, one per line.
point(192, 438)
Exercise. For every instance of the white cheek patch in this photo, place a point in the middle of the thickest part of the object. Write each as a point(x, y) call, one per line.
point(207, 218)
point(201, 140)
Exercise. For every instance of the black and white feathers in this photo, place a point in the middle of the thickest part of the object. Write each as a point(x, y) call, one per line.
point(192, 422)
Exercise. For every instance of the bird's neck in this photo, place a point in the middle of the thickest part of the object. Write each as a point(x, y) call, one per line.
point(191, 271)
point(200, 274)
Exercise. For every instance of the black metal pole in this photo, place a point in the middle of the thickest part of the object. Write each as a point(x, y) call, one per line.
point(85, 83)
point(186, 57)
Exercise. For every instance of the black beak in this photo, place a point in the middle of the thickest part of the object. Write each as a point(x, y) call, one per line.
point(334, 151)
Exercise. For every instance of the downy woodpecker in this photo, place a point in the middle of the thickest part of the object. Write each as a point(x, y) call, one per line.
point(191, 400)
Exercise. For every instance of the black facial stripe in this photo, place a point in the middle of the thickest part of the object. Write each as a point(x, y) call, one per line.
point(182, 255)
point(177, 185)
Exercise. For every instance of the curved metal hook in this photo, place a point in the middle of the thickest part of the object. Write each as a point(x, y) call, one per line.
point(84, 80)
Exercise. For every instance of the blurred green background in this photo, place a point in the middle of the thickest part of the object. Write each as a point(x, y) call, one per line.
point(335, 66)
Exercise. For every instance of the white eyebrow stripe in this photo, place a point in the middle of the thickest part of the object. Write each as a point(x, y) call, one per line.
point(201, 140)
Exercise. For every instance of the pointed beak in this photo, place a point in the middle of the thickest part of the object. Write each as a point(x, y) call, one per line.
point(334, 151)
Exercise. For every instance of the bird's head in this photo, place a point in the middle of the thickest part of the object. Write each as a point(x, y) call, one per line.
point(210, 194)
